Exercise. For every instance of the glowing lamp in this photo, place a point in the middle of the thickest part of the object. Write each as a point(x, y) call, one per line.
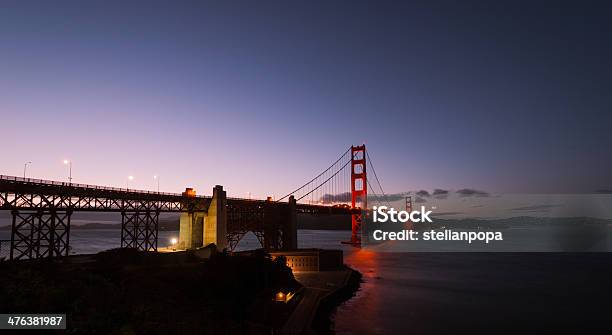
point(280, 296)
point(283, 297)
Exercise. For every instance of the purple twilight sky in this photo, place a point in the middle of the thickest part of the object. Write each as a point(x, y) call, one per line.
point(260, 96)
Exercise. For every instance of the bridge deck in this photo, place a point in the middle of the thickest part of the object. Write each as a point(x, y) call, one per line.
point(33, 194)
point(42, 209)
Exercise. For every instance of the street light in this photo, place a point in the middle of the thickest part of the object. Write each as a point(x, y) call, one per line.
point(127, 185)
point(25, 166)
point(69, 163)
point(157, 178)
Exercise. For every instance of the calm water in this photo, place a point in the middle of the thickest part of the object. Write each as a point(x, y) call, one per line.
point(538, 239)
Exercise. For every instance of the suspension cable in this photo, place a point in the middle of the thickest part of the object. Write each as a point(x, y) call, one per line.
point(384, 196)
point(376, 176)
point(313, 179)
point(374, 193)
point(323, 183)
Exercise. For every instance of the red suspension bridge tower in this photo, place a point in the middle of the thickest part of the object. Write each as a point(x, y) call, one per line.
point(359, 191)
point(332, 187)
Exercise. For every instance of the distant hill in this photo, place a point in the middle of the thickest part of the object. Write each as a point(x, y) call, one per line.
point(519, 221)
point(164, 225)
point(343, 222)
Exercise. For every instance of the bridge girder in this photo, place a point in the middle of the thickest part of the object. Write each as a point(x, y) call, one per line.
point(31, 199)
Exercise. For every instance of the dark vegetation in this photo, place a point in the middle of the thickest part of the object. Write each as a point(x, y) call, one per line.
point(124, 291)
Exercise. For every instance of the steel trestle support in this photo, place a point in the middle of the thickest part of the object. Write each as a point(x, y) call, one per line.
point(40, 234)
point(139, 230)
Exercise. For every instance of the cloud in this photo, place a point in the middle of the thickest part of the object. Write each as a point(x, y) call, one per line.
point(440, 193)
point(333, 198)
point(604, 191)
point(422, 193)
point(394, 196)
point(534, 208)
point(419, 200)
point(468, 192)
point(446, 213)
point(346, 197)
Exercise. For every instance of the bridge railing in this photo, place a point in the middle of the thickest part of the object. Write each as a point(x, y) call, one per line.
point(35, 181)
point(87, 186)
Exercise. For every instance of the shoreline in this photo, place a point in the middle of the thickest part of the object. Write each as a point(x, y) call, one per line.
point(323, 322)
point(322, 293)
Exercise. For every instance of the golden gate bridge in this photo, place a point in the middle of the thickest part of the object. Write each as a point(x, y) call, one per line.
point(41, 211)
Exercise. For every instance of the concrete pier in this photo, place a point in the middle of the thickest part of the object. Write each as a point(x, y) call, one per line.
point(191, 230)
point(215, 224)
point(290, 234)
point(198, 229)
